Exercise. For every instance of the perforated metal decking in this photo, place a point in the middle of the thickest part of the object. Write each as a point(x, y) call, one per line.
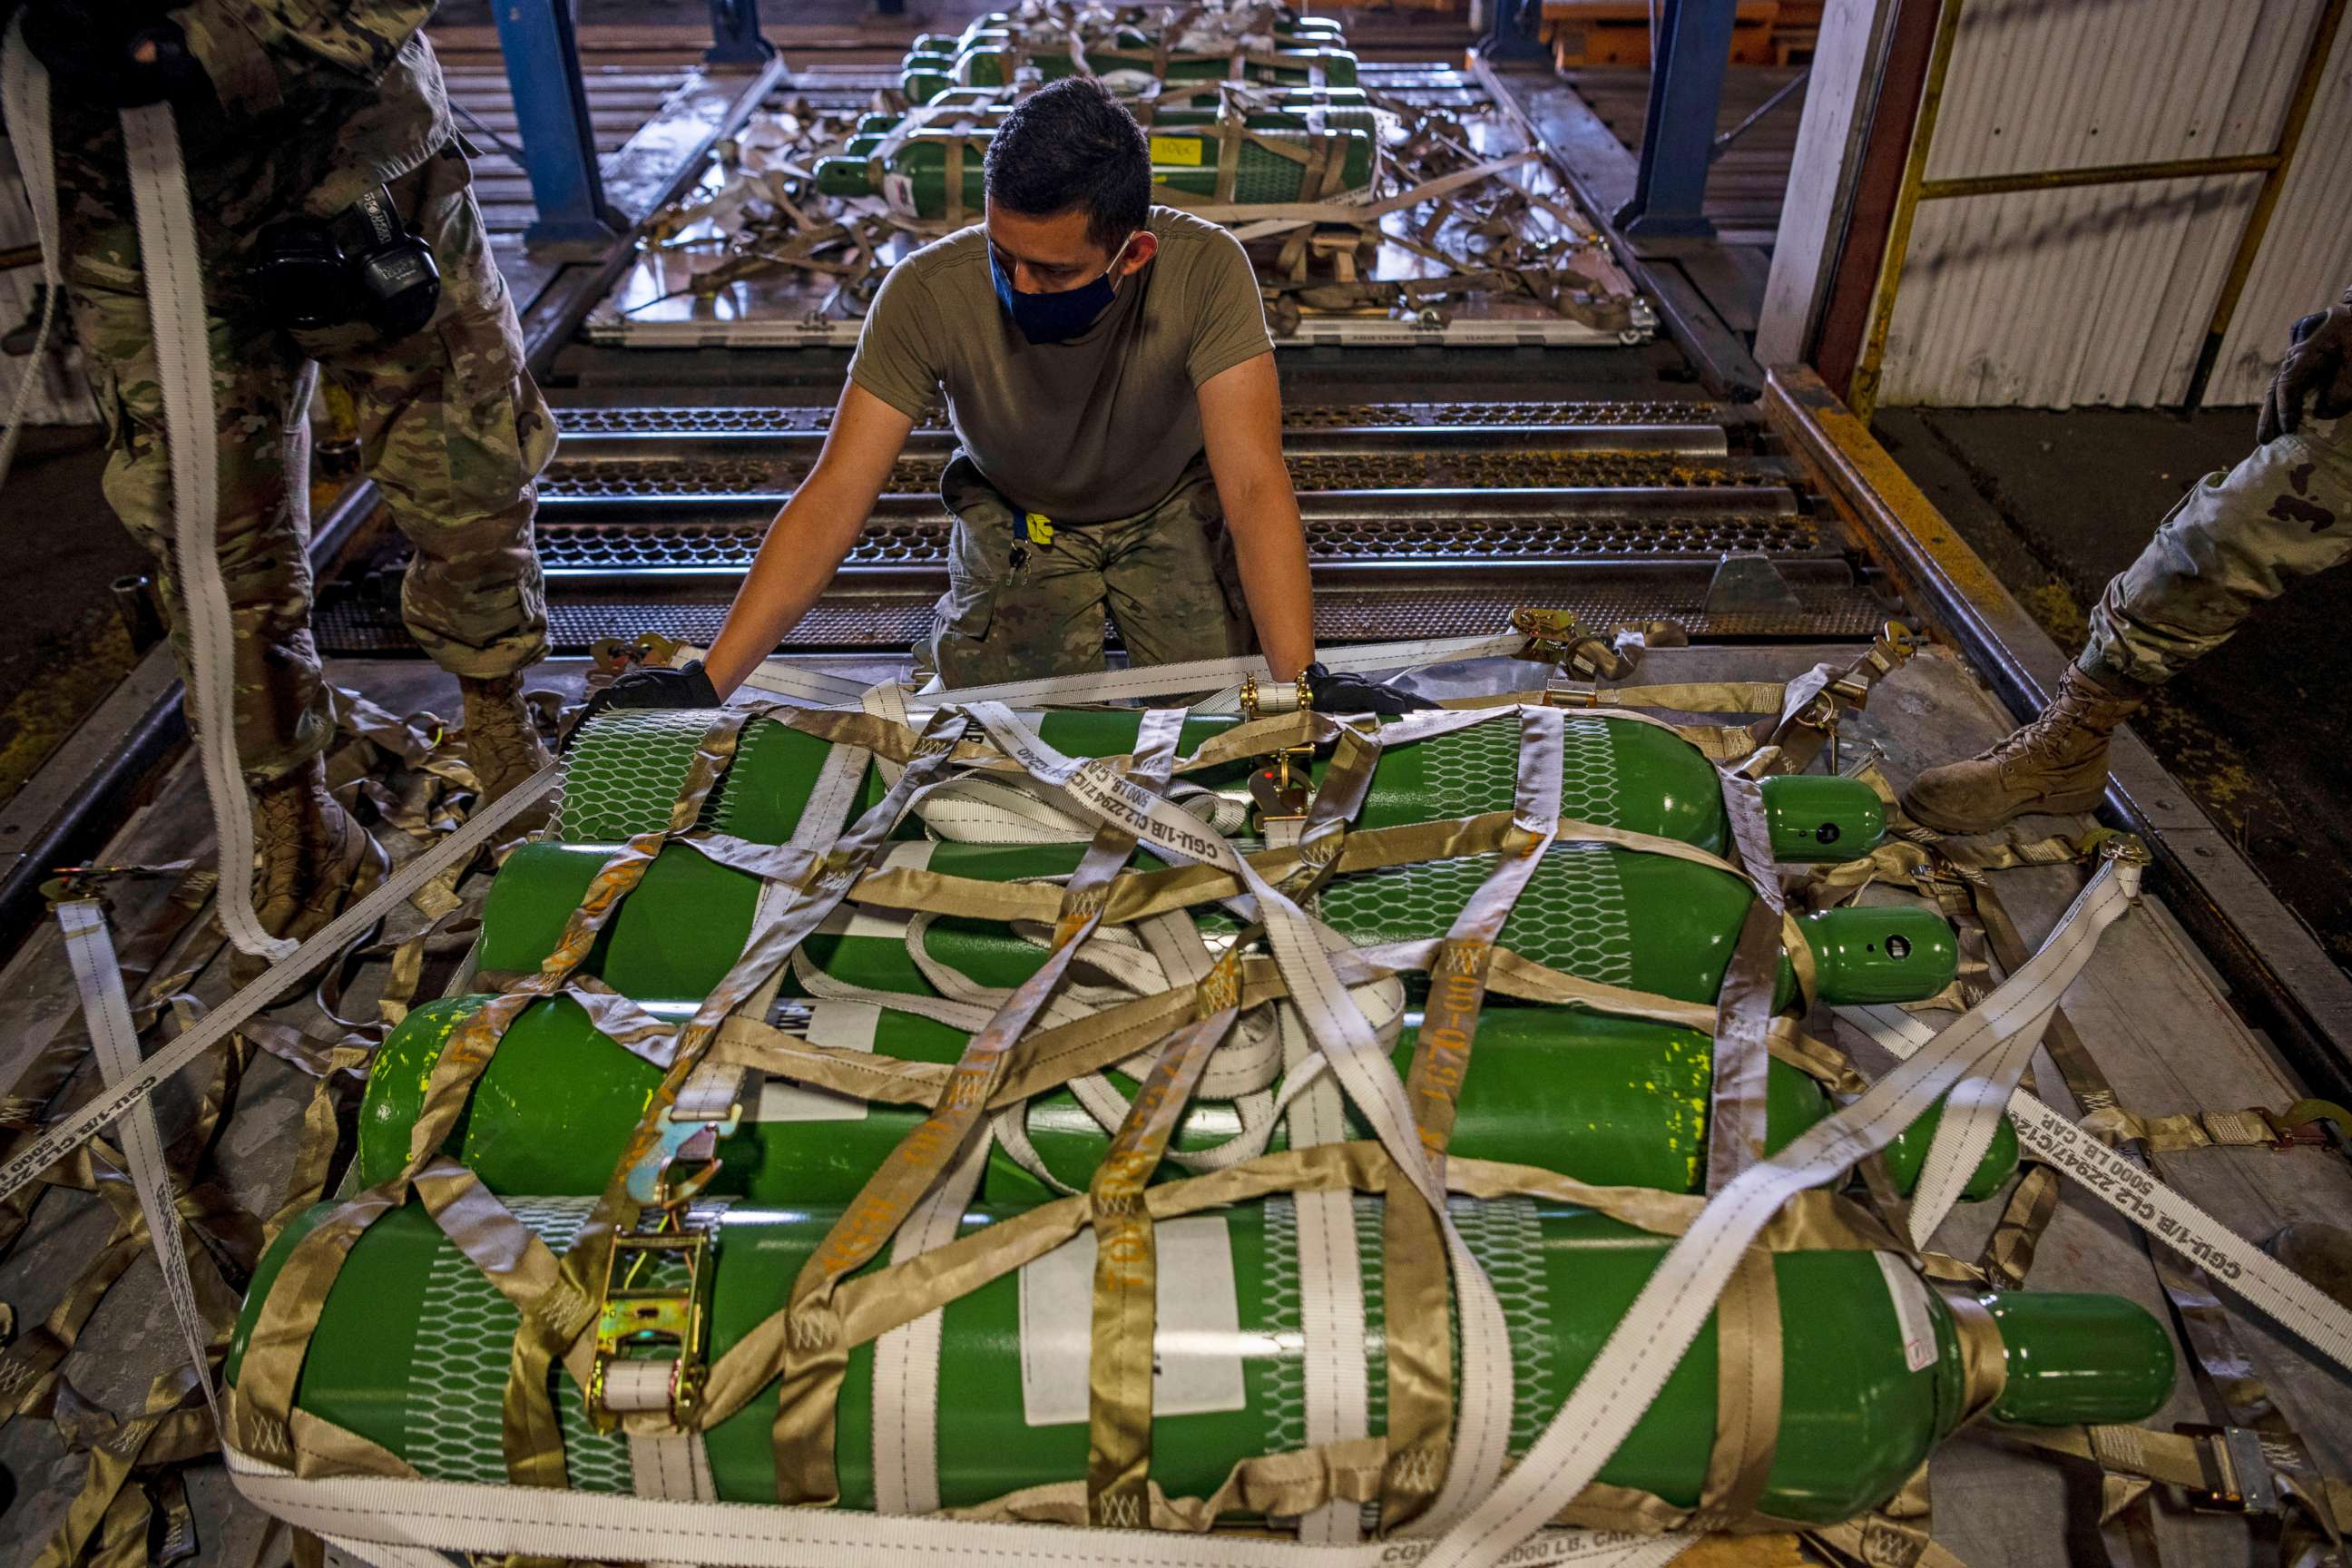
point(1424, 517)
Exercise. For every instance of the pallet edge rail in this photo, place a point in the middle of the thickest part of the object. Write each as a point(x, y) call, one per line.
point(2280, 975)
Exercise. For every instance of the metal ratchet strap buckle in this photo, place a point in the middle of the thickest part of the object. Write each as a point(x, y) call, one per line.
point(1551, 634)
point(2310, 1125)
point(1571, 694)
point(613, 656)
point(1254, 697)
point(687, 1135)
point(1282, 793)
point(652, 1323)
point(2238, 1470)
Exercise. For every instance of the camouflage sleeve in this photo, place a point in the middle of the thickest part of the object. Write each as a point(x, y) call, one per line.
point(253, 51)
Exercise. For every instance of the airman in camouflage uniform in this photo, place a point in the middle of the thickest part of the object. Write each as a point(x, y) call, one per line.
point(287, 108)
point(2237, 539)
point(1025, 603)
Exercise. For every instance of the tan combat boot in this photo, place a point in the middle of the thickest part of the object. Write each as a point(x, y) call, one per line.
point(313, 861)
point(2057, 763)
point(501, 741)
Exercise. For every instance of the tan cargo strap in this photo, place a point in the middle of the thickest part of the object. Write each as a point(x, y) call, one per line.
point(2301, 1123)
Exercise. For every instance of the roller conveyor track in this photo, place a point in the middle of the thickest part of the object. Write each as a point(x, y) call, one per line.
point(769, 477)
point(1361, 536)
point(583, 421)
point(1425, 518)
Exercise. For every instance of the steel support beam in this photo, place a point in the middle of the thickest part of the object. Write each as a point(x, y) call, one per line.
point(1686, 67)
point(559, 142)
point(735, 37)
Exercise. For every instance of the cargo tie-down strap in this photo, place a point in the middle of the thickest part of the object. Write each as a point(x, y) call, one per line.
point(1441, 1464)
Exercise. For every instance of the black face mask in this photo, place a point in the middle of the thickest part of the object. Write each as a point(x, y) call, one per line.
point(1057, 318)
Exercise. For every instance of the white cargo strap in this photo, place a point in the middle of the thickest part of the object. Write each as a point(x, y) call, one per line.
point(2172, 1218)
point(1675, 1303)
point(1974, 1109)
point(71, 1131)
point(1342, 1032)
point(831, 800)
point(661, 1464)
point(668, 1465)
point(1330, 1286)
point(25, 106)
point(454, 1516)
point(184, 369)
point(98, 976)
point(778, 678)
point(905, 1398)
point(907, 1359)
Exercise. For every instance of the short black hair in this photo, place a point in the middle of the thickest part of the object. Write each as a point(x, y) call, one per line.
point(1071, 146)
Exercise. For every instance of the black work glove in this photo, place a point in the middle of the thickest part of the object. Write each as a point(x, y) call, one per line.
point(650, 685)
point(2317, 371)
point(1354, 694)
point(92, 51)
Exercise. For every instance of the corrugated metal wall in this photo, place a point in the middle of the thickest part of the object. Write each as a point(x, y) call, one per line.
point(2102, 295)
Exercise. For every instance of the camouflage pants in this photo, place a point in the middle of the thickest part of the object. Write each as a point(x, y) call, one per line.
point(1019, 606)
point(2236, 540)
point(452, 429)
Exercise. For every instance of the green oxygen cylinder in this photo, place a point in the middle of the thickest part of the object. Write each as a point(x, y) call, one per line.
point(1639, 920)
point(1163, 138)
point(1308, 66)
point(1649, 922)
point(914, 177)
point(1613, 1102)
point(1200, 108)
point(623, 770)
point(412, 1346)
point(1284, 24)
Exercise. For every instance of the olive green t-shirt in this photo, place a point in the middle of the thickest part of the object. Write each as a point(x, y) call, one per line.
point(1098, 428)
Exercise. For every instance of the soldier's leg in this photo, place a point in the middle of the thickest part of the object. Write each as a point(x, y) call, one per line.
point(312, 859)
point(454, 432)
point(2237, 539)
point(1175, 593)
point(281, 720)
point(1015, 609)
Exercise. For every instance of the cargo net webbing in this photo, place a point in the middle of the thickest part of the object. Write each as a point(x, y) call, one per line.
point(855, 1290)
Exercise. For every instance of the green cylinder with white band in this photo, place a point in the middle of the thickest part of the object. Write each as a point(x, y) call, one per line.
point(623, 772)
point(1609, 1101)
point(412, 1347)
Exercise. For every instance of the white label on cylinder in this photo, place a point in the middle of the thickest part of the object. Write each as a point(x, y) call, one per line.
point(1196, 1364)
point(1913, 1314)
point(898, 192)
point(846, 1026)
